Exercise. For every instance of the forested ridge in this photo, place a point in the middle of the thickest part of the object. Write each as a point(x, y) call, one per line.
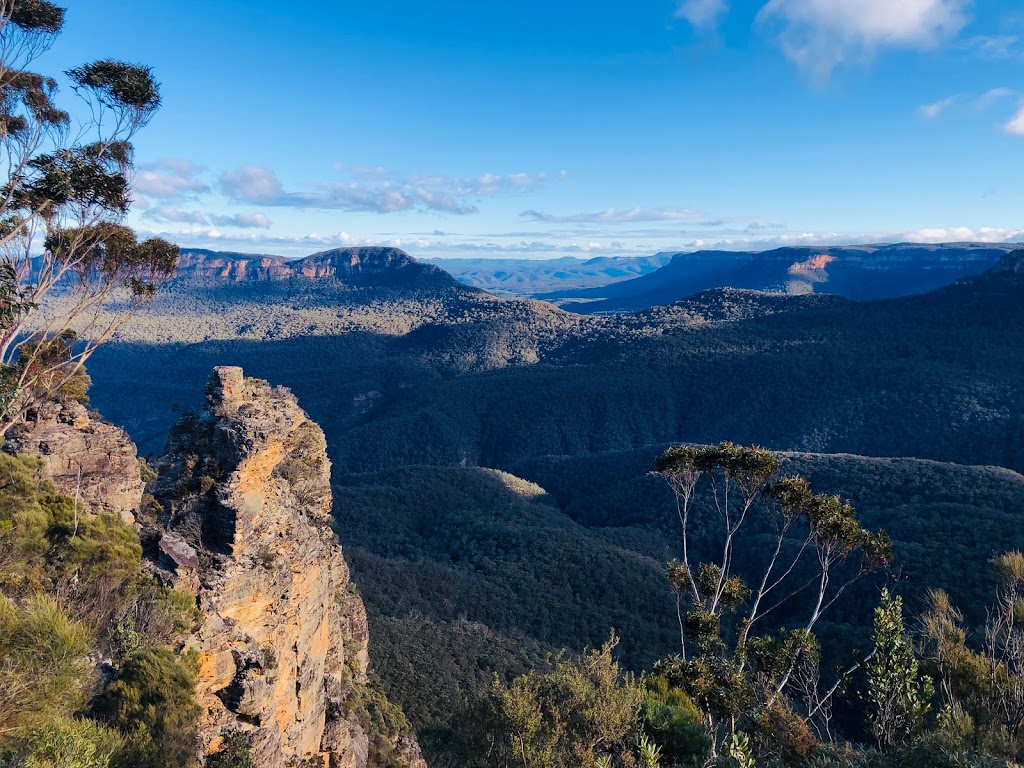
point(417, 388)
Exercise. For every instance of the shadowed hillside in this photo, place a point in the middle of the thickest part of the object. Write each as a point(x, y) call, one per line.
point(469, 572)
point(496, 382)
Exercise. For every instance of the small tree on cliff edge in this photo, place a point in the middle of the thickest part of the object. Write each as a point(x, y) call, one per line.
point(803, 550)
point(70, 272)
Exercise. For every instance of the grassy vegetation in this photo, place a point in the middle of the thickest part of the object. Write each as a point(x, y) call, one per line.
point(72, 590)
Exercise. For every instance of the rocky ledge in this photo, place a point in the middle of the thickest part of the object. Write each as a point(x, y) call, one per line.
point(85, 458)
point(372, 265)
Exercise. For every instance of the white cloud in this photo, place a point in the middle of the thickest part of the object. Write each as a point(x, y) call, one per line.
point(242, 220)
point(252, 183)
point(703, 14)
point(819, 35)
point(962, 235)
point(376, 190)
point(168, 179)
point(167, 213)
point(539, 248)
point(1016, 125)
point(933, 110)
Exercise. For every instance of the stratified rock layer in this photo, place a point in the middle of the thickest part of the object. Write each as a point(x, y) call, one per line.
point(245, 526)
point(86, 458)
point(372, 264)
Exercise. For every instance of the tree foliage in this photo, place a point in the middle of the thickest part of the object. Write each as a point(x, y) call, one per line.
point(730, 670)
point(70, 272)
point(898, 696)
point(581, 714)
point(980, 686)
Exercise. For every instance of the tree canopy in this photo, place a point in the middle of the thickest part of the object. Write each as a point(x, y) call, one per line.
point(71, 273)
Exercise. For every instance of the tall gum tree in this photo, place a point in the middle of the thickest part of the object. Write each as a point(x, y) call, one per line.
point(803, 551)
point(71, 273)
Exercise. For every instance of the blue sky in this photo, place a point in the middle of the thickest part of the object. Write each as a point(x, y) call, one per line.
point(539, 129)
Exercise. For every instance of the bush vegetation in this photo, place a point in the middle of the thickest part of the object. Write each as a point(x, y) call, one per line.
point(71, 588)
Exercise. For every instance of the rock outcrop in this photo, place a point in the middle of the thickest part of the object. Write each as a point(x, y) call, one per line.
point(86, 458)
point(243, 523)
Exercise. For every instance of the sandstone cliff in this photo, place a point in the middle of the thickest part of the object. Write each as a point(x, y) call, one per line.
point(371, 265)
point(243, 522)
point(86, 458)
point(233, 267)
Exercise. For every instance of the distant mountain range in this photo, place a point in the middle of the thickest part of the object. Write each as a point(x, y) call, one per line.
point(530, 277)
point(622, 284)
point(857, 272)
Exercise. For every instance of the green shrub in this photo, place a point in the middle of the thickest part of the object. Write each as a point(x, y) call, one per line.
point(383, 722)
point(152, 704)
point(235, 752)
point(92, 546)
point(674, 723)
point(24, 524)
point(64, 743)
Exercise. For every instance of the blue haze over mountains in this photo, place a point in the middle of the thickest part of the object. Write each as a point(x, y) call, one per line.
point(631, 284)
point(862, 272)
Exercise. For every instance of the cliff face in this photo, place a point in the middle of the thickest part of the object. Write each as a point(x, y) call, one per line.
point(366, 264)
point(245, 526)
point(85, 458)
point(233, 268)
point(1013, 262)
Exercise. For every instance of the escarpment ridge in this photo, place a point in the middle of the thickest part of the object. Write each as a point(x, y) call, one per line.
point(373, 264)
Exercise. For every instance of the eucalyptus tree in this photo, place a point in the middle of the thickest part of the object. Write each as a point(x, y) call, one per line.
point(71, 273)
point(802, 551)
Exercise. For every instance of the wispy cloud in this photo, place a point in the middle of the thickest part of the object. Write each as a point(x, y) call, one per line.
point(820, 35)
point(377, 190)
point(616, 216)
point(242, 220)
point(702, 14)
point(170, 215)
point(994, 47)
point(990, 98)
point(936, 108)
point(1016, 125)
point(981, 103)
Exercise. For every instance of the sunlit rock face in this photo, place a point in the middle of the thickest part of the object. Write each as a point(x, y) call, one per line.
point(243, 523)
